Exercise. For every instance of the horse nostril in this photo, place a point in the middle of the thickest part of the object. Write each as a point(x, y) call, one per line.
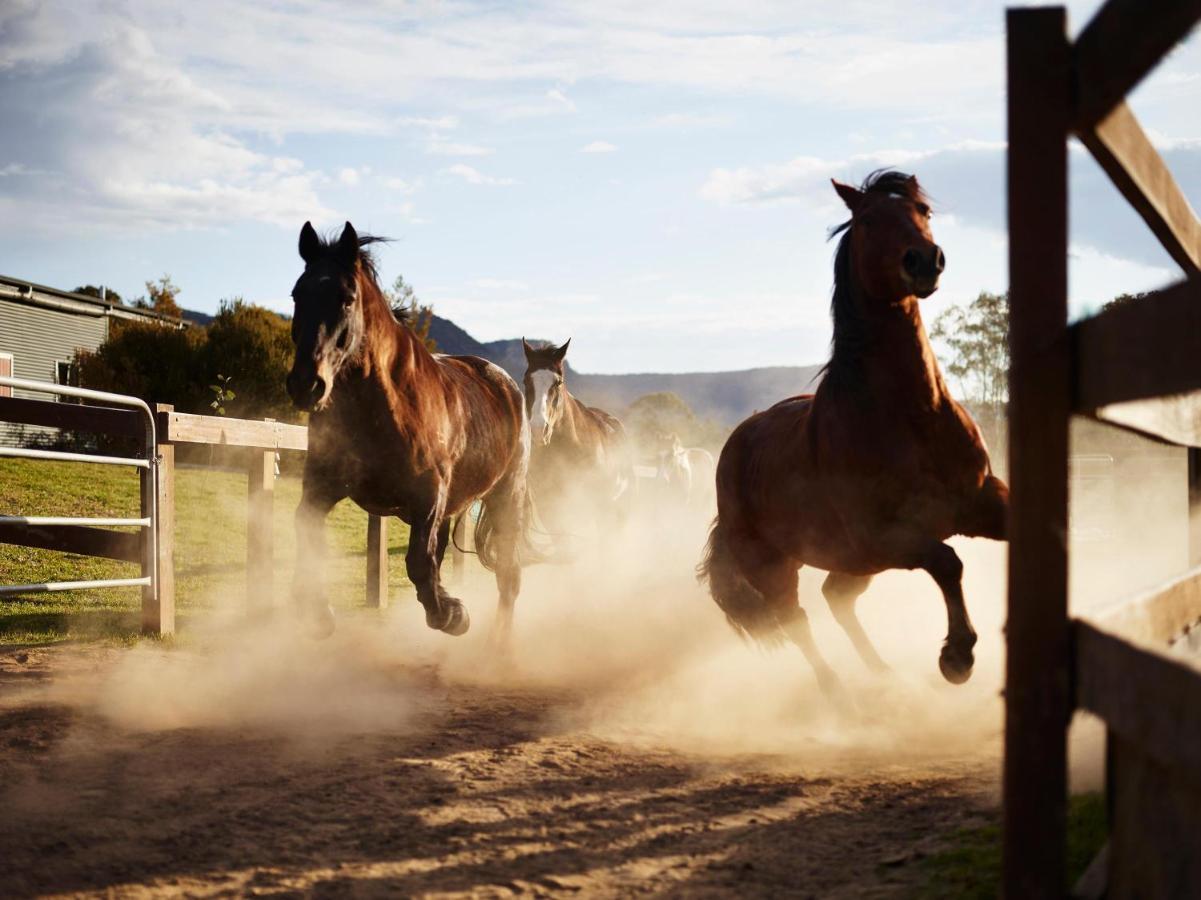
point(912, 261)
point(940, 260)
point(318, 388)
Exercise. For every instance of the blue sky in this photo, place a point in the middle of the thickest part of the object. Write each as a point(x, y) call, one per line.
point(649, 179)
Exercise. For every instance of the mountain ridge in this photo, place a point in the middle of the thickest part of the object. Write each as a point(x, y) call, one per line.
point(726, 397)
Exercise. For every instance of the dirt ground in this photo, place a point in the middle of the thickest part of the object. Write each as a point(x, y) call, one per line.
point(475, 789)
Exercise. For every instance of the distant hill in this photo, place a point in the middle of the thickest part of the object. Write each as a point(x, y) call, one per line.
point(725, 397)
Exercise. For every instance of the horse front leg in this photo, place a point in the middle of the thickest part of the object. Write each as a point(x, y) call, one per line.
point(308, 587)
point(957, 656)
point(427, 544)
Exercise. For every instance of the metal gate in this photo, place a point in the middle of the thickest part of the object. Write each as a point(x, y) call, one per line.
point(81, 534)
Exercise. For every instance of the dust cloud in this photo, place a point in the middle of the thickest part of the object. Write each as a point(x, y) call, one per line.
point(639, 654)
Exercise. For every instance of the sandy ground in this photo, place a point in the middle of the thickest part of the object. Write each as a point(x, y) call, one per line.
point(474, 789)
point(627, 744)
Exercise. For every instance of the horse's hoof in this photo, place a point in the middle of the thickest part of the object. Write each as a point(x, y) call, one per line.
point(459, 621)
point(831, 686)
point(955, 664)
point(321, 623)
point(451, 617)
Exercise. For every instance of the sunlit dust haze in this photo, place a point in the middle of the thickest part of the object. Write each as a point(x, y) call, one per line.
point(628, 647)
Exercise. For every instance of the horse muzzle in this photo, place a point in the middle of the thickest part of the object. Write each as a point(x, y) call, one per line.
point(307, 392)
point(921, 271)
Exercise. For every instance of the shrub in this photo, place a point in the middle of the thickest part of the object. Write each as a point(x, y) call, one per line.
point(252, 347)
point(155, 362)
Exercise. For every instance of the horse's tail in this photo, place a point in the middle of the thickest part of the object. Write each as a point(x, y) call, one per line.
point(746, 609)
point(487, 543)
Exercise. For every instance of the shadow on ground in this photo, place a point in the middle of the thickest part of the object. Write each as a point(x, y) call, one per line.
point(483, 790)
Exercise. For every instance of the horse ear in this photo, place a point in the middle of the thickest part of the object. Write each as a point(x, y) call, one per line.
point(310, 244)
point(562, 351)
point(348, 246)
point(850, 196)
point(528, 350)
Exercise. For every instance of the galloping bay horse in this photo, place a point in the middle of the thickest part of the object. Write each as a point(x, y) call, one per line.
point(402, 432)
point(580, 453)
point(873, 471)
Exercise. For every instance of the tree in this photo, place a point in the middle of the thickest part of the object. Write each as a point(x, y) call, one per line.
point(252, 347)
point(161, 297)
point(977, 339)
point(652, 416)
point(1124, 300)
point(411, 312)
point(150, 360)
point(99, 292)
point(246, 352)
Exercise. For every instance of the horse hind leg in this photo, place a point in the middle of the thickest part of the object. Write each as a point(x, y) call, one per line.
point(778, 582)
point(505, 507)
point(841, 591)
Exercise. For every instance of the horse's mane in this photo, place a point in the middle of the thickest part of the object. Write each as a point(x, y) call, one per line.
point(850, 331)
point(368, 264)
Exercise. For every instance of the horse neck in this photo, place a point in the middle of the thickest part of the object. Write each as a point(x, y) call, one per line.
point(390, 352)
point(891, 357)
point(567, 428)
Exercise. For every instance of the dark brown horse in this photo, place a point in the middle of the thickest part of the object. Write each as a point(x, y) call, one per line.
point(581, 464)
point(875, 470)
point(401, 432)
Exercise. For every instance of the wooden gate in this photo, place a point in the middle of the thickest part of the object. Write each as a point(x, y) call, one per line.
point(1111, 367)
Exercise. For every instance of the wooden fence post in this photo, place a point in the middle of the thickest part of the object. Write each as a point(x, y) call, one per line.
point(1038, 700)
point(260, 535)
point(1194, 506)
point(158, 612)
point(377, 562)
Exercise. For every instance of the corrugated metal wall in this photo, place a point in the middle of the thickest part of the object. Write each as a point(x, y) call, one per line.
point(37, 338)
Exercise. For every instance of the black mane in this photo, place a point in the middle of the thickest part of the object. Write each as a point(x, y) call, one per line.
point(850, 331)
point(366, 259)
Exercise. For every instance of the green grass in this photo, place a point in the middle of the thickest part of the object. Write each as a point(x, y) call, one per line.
point(971, 868)
point(210, 549)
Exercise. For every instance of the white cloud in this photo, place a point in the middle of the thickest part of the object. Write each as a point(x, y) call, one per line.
point(499, 284)
point(438, 147)
point(12, 169)
point(598, 147)
point(683, 121)
point(557, 96)
point(474, 176)
point(400, 184)
point(440, 123)
point(349, 177)
point(135, 140)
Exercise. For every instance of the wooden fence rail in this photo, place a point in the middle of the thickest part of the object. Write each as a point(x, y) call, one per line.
point(262, 440)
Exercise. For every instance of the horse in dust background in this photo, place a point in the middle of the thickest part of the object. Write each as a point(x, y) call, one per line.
point(402, 432)
point(686, 472)
point(873, 471)
point(582, 465)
